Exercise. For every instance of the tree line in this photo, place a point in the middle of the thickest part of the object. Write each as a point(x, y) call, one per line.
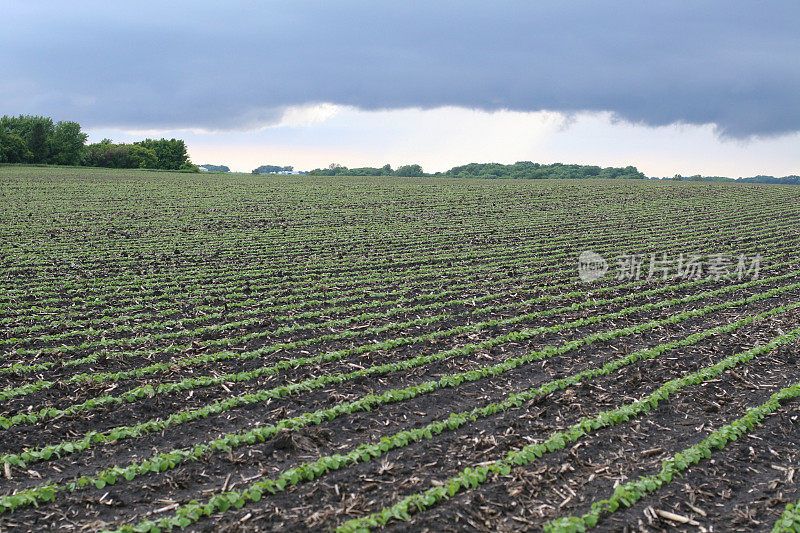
point(272, 169)
point(214, 168)
point(519, 170)
point(530, 170)
point(335, 169)
point(39, 140)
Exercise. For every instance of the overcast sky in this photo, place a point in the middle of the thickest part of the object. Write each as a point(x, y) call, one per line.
point(709, 87)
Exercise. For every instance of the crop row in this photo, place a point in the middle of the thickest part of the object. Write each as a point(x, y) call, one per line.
point(625, 494)
point(629, 493)
point(218, 356)
point(183, 236)
point(307, 471)
point(221, 288)
point(270, 287)
point(257, 308)
point(191, 383)
point(410, 253)
point(194, 276)
point(93, 438)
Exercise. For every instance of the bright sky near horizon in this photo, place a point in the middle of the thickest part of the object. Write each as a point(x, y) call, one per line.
point(706, 87)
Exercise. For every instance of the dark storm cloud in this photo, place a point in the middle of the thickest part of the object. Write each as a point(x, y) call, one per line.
point(175, 65)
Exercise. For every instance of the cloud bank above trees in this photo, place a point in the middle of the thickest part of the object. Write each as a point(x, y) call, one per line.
point(240, 65)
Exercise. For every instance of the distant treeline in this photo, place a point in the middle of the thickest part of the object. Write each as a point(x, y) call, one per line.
point(529, 170)
point(786, 180)
point(272, 169)
point(519, 170)
point(214, 168)
point(386, 170)
point(38, 140)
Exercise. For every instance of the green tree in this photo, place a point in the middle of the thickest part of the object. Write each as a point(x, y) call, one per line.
point(35, 131)
point(107, 154)
point(170, 154)
point(37, 139)
point(409, 171)
point(141, 157)
point(67, 144)
point(13, 148)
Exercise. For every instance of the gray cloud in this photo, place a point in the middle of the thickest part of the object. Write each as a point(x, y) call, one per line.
point(176, 64)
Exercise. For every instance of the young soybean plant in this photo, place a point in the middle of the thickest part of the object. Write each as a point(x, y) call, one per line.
point(789, 522)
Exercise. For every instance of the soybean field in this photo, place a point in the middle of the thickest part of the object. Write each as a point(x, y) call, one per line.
point(231, 352)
